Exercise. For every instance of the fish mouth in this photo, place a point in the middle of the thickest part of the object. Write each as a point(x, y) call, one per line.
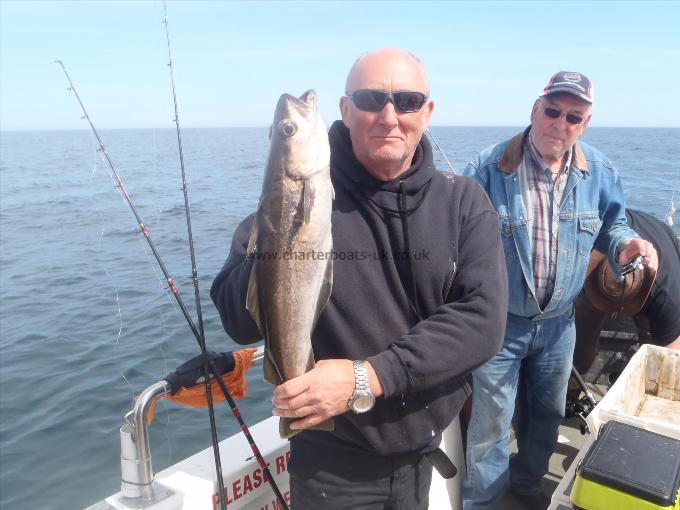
point(305, 104)
point(309, 98)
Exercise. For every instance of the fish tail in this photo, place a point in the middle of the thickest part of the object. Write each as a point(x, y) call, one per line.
point(286, 432)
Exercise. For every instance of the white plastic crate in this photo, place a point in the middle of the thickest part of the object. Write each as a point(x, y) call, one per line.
point(646, 394)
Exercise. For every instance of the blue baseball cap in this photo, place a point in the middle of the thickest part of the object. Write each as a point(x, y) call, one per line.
point(572, 83)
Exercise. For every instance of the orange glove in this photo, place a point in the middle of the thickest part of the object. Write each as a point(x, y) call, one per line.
point(235, 381)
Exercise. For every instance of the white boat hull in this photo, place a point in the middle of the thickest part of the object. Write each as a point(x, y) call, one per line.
point(191, 482)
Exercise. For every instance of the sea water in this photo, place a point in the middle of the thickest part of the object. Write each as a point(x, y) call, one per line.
point(86, 322)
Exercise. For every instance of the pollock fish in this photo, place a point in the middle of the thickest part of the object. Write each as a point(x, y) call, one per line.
point(291, 242)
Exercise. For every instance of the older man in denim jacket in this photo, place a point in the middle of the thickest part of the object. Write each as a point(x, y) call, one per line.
point(556, 199)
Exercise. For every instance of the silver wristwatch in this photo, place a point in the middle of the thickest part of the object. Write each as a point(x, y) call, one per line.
point(362, 399)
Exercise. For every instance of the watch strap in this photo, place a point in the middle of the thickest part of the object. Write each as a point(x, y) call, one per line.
point(360, 376)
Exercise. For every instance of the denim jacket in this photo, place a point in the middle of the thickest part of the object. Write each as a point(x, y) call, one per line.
point(591, 214)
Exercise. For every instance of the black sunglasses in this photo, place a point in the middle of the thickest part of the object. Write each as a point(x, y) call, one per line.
point(554, 113)
point(371, 100)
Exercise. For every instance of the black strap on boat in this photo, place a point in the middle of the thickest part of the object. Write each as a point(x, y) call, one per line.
point(191, 373)
point(442, 463)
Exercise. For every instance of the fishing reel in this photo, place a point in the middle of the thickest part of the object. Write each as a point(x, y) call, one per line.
point(634, 265)
point(580, 408)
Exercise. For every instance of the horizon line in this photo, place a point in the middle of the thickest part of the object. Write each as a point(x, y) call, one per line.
point(477, 126)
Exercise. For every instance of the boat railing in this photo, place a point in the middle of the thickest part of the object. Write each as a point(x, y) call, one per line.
point(138, 488)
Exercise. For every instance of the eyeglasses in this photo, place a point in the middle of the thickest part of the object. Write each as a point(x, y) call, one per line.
point(371, 100)
point(554, 113)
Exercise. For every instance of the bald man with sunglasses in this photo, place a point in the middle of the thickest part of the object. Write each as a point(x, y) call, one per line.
point(418, 301)
point(556, 198)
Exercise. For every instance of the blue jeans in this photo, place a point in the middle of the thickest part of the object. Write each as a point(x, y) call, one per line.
point(533, 366)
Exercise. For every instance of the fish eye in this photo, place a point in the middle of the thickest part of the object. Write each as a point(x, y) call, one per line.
point(271, 128)
point(287, 128)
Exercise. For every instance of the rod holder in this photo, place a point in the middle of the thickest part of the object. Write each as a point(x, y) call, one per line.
point(137, 486)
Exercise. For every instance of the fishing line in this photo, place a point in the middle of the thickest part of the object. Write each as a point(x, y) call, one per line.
point(161, 343)
point(120, 333)
point(95, 154)
point(162, 289)
point(163, 319)
point(434, 140)
point(119, 312)
point(120, 185)
point(120, 327)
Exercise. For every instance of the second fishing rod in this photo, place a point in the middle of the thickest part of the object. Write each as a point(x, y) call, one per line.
point(197, 295)
point(232, 404)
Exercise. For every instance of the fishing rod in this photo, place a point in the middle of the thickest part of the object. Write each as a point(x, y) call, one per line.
point(194, 275)
point(171, 285)
point(232, 404)
point(429, 133)
point(142, 228)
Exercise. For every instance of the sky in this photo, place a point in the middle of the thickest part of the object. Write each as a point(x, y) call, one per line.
point(486, 61)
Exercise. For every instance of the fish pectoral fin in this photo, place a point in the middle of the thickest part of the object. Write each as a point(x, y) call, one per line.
point(272, 374)
point(307, 199)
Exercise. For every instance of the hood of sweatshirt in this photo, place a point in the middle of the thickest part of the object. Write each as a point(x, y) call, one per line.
point(401, 195)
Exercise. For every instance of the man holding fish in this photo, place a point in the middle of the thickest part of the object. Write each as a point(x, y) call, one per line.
point(410, 299)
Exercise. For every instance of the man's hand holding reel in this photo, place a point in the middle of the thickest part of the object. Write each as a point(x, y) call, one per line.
point(613, 295)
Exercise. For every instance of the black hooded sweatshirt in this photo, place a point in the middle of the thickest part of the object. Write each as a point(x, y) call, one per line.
point(419, 290)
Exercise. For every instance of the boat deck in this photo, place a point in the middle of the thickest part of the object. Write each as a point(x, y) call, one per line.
point(569, 444)
point(447, 495)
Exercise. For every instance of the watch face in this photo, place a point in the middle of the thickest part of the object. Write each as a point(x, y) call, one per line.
point(363, 403)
